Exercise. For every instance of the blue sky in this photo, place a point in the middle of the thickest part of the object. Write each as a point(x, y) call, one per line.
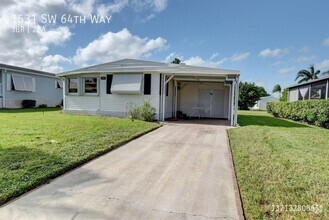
point(269, 41)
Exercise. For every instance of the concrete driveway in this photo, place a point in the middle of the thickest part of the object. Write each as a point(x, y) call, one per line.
point(179, 171)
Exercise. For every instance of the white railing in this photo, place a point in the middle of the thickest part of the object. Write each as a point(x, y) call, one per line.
point(0, 89)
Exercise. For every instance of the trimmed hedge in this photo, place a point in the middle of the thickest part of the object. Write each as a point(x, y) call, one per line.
point(310, 111)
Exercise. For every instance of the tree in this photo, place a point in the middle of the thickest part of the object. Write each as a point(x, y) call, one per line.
point(284, 96)
point(176, 61)
point(249, 95)
point(307, 75)
point(262, 92)
point(276, 88)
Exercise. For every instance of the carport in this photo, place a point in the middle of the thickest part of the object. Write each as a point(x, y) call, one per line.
point(200, 92)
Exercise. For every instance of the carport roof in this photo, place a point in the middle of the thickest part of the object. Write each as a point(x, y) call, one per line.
point(133, 66)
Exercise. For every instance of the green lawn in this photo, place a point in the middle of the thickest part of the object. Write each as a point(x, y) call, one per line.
point(280, 162)
point(40, 144)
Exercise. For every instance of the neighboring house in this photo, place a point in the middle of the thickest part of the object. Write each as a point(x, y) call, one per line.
point(315, 89)
point(106, 89)
point(262, 102)
point(17, 84)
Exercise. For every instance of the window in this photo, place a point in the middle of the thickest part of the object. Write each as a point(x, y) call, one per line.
point(58, 84)
point(147, 84)
point(90, 85)
point(22, 83)
point(109, 79)
point(318, 91)
point(73, 85)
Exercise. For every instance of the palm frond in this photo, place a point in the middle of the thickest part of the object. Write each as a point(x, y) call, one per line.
point(312, 68)
point(303, 74)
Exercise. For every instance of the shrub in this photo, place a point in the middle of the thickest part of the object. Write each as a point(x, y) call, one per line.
point(144, 112)
point(27, 103)
point(310, 111)
point(43, 106)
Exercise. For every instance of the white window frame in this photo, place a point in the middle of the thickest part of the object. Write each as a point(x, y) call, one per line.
point(84, 86)
point(68, 86)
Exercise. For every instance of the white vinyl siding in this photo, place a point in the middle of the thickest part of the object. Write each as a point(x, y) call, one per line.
point(44, 91)
point(112, 104)
point(129, 84)
point(293, 95)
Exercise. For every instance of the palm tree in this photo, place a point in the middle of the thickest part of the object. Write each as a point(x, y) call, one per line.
point(306, 75)
point(277, 88)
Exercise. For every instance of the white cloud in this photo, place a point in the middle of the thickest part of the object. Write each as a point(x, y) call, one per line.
point(108, 9)
point(31, 49)
point(54, 60)
point(238, 57)
point(56, 36)
point(198, 61)
point(277, 52)
point(326, 42)
point(304, 59)
point(324, 65)
point(286, 70)
point(155, 5)
point(113, 46)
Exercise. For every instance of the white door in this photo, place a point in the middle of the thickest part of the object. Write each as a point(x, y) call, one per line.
point(212, 102)
point(217, 103)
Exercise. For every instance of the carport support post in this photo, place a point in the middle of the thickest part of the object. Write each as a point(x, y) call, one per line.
point(236, 101)
point(165, 82)
point(232, 102)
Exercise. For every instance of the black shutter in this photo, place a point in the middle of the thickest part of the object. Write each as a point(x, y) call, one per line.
point(109, 84)
point(147, 84)
point(167, 89)
point(160, 87)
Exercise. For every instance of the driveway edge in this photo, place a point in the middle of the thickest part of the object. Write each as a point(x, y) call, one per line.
point(239, 201)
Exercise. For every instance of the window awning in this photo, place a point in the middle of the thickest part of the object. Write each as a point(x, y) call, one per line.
point(23, 83)
point(129, 84)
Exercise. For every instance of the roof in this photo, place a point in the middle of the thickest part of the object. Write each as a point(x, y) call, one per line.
point(309, 82)
point(133, 65)
point(268, 97)
point(26, 70)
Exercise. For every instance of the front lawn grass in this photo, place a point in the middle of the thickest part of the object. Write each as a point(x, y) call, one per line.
point(280, 162)
point(39, 144)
